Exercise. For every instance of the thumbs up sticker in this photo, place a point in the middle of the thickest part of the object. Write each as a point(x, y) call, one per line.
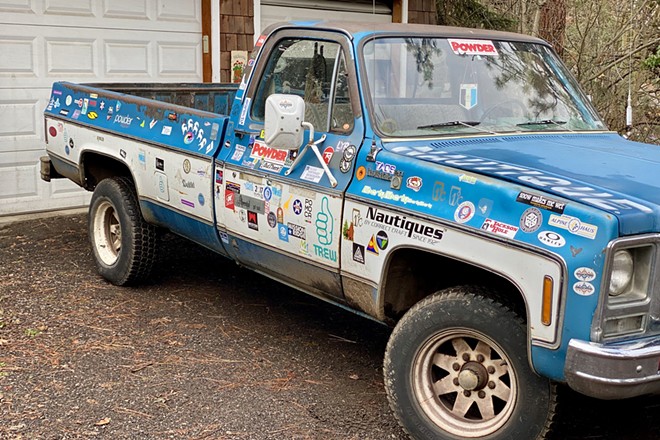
point(324, 223)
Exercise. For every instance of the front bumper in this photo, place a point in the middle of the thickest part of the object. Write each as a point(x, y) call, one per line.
point(615, 371)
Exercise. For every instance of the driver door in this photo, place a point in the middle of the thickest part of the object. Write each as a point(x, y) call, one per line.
point(283, 212)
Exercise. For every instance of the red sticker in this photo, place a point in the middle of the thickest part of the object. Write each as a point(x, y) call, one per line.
point(260, 41)
point(327, 155)
point(52, 131)
point(472, 47)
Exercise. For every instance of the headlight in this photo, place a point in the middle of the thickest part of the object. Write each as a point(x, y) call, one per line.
point(622, 272)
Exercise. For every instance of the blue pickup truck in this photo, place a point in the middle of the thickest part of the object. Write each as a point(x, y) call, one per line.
point(455, 184)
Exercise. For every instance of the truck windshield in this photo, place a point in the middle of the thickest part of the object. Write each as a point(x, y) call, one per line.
point(444, 86)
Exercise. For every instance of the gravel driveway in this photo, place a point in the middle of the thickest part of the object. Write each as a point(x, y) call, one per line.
point(208, 351)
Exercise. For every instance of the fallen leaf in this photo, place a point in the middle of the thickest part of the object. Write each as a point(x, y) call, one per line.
point(354, 376)
point(103, 422)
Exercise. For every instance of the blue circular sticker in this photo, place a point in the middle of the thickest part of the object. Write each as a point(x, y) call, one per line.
point(200, 198)
point(268, 193)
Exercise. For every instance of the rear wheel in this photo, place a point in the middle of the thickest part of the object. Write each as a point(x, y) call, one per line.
point(123, 243)
point(456, 368)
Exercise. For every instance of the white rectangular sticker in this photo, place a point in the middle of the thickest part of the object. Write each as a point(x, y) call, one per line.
point(472, 47)
point(244, 110)
point(312, 174)
point(499, 228)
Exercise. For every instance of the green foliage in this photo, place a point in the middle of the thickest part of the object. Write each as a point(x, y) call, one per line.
point(471, 13)
point(652, 62)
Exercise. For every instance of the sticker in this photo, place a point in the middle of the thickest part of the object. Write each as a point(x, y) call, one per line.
point(283, 232)
point(312, 174)
point(400, 198)
point(358, 253)
point(464, 212)
point(244, 111)
point(260, 41)
point(372, 247)
point(485, 206)
point(253, 220)
point(160, 164)
point(327, 155)
point(230, 200)
point(551, 239)
point(268, 193)
point(531, 220)
point(200, 199)
point(349, 152)
point(187, 203)
point(324, 223)
point(467, 179)
point(584, 288)
point(167, 130)
point(297, 207)
point(344, 166)
point(296, 231)
point(68, 100)
point(414, 183)
point(574, 226)
point(499, 228)
point(272, 155)
point(360, 173)
point(585, 274)
point(92, 115)
point(472, 47)
point(541, 202)
point(468, 96)
point(575, 251)
point(272, 220)
point(224, 237)
point(186, 166)
point(382, 240)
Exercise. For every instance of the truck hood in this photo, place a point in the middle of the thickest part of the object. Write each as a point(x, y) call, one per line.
point(601, 170)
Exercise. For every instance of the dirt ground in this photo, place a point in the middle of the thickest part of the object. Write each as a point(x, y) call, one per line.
point(206, 351)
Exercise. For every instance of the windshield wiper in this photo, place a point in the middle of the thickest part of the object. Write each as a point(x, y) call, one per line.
point(542, 122)
point(470, 124)
point(450, 124)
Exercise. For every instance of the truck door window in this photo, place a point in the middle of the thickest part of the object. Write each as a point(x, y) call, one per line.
point(304, 68)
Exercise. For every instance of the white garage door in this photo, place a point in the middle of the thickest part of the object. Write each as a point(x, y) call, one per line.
point(273, 11)
point(42, 41)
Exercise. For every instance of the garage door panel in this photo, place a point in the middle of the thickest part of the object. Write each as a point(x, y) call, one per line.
point(133, 9)
point(179, 59)
point(18, 118)
point(153, 15)
point(70, 56)
point(69, 7)
point(128, 58)
point(21, 181)
point(22, 62)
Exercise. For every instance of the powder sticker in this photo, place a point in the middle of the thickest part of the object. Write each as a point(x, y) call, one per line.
point(472, 47)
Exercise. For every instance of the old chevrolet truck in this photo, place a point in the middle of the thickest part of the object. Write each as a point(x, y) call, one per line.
point(453, 183)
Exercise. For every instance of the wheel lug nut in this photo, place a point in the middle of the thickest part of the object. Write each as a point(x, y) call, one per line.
point(482, 394)
point(466, 393)
point(491, 384)
point(456, 367)
point(491, 370)
point(455, 381)
point(466, 357)
point(480, 358)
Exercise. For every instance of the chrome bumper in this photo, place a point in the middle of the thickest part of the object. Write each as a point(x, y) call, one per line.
point(615, 371)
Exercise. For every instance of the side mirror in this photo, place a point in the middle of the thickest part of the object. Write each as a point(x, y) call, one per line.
point(283, 121)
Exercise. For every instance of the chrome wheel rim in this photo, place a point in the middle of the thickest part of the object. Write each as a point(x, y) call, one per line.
point(464, 383)
point(107, 233)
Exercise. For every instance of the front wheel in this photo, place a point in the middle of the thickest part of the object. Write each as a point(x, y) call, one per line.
point(123, 243)
point(456, 368)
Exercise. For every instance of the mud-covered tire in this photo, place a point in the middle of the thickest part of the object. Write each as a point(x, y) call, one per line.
point(124, 245)
point(456, 367)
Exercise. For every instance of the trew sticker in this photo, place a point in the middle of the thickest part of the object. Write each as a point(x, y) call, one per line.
point(472, 47)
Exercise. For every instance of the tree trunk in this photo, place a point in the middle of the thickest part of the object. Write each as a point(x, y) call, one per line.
point(552, 23)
